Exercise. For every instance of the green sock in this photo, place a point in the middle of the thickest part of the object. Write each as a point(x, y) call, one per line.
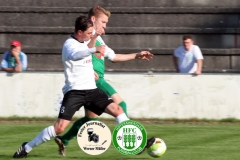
point(72, 132)
point(124, 107)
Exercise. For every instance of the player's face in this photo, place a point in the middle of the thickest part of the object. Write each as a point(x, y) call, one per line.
point(86, 35)
point(187, 44)
point(100, 21)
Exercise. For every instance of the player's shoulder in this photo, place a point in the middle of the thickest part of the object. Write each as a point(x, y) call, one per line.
point(72, 43)
point(69, 41)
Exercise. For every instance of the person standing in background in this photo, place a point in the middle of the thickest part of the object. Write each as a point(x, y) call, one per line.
point(188, 58)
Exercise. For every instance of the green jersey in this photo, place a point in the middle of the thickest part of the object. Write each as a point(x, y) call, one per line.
point(98, 58)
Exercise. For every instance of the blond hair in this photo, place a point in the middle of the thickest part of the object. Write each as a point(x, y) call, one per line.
point(97, 10)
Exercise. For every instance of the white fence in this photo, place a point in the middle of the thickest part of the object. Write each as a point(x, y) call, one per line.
point(147, 96)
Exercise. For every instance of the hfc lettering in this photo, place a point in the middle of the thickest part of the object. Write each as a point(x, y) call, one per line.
point(129, 130)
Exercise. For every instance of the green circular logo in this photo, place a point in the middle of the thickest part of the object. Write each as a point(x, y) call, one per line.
point(129, 137)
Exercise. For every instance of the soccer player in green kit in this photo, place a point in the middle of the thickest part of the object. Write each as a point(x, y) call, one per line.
point(99, 17)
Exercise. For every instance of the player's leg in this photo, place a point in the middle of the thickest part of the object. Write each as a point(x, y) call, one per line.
point(71, 103)
point(63, 141)
point(100, 102)
point(118, 100)
point(45, 135)
point(72, 132)
point(97, 101)
point(110, 91)
point(116, 111)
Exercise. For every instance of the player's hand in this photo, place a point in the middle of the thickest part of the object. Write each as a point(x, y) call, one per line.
point(99, 32)
point(100, 49)
point(197, 73)
point(145, 55)
point(96, 76)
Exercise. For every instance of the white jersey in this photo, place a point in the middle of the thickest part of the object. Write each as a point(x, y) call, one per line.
point(78, 68)
point(109, 53)
point(187, 59)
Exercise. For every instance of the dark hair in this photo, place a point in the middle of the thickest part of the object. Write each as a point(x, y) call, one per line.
point(82, 23)
point(97, 10)
point(185, 37)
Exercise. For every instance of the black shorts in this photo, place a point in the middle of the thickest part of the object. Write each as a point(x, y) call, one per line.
point(94, 100)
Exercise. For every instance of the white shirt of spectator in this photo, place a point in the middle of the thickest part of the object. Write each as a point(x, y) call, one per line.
point(187, 59)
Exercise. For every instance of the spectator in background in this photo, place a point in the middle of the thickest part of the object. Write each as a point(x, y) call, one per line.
point(188, 58)
point(14, 60)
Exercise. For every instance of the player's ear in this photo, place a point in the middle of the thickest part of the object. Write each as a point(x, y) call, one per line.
point(93, 19)
point(79, 32)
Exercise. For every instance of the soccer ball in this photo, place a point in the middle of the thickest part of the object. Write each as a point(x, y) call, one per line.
point(157, 149)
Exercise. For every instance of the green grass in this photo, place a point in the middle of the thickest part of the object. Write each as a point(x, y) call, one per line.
point(184, 142)
point(174, 120)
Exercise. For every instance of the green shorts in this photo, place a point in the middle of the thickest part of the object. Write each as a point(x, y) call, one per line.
point(105, 87)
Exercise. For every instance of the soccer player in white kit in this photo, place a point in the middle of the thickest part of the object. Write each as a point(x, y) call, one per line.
point(80, 88)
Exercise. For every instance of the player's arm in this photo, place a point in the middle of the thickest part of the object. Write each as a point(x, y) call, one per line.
point(80, 53)
point(98, 33)
point(144, 55)
point(96, 76)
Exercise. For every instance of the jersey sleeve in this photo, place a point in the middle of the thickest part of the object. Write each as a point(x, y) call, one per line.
point(109, 53)
point(74, 52)
point(4, 62)
point(197, 53)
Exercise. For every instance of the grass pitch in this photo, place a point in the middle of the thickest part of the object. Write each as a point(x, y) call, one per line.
point(184, 142)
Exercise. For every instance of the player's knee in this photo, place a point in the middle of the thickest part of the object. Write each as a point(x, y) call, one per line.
point(119, 111)
point(119, 108)
point(114, 109)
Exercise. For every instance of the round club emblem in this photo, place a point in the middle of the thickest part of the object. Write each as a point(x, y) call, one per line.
point(129, 137)
point(94, 137)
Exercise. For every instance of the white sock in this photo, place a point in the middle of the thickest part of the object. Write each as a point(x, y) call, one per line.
point(42, 137)
point(122, 117)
